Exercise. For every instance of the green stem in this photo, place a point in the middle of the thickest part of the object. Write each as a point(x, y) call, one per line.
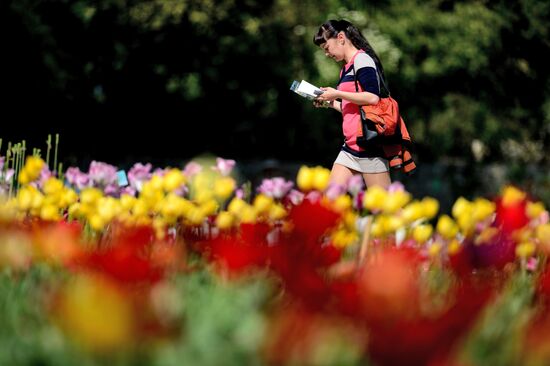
point(49, 147)
point(55, 154)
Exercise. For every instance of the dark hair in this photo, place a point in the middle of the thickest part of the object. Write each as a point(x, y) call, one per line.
point(331, 28)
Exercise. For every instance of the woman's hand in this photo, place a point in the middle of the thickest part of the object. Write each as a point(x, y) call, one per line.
point(329, 94)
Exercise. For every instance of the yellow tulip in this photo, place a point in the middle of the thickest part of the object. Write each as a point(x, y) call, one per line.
point(343, 238)
point(342, 203)
point(466, 224)
point(225, 220)
point(277, 212)
point(209, 207)
point(412, 212)
point(534, 209)
point(434, 249)
point(248, 215)
point(173, 180)
point(156, 183)
point(453, 247)
point(321, 178)
point(31, 170)
point(377, 229)
point(224, 187)
point(395, 201)
point(422, 233)
point(94, 313)
point(173, 206)
point(195, 216)
point(462, 207)
point(430, 207)
point(90, 195)
point(483, 209)
point(262, 203)
point(50, 213)
point(236, 205)
point(543, 234)
point(446, 227)
point(350, 220)
point(511, 196)
point(68, 197)
point(203, 195)
point(25, 198)
point(108, 208)
point(96, 222)
point(304, 180)
point(525, 249)
point(141, 208)
point(52, 186)
point(127, 201)
point(375, 198)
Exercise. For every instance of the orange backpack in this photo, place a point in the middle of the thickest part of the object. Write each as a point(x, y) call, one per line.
point(382, 125)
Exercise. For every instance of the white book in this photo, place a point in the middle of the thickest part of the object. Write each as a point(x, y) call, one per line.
point(305, 89)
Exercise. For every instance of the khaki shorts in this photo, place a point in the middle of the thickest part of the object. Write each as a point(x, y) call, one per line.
point(362, 165)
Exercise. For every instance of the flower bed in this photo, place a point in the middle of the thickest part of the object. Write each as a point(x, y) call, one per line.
point(193, 266)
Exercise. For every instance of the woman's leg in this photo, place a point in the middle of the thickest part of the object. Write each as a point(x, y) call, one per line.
point(377, 179)
point(340, 175)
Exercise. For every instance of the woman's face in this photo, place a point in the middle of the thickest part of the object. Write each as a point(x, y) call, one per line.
point(333, 49)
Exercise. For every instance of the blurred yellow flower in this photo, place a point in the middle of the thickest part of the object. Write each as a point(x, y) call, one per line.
point(395, 201)
point(342, 203)
point(534, 209)
point(304, 180)
point(90, 195)
point(15, 250)
point(262, 203)
point(52, 185)
point(96, 314)
point(209, 207)
point(344, 238)
point(434, 249)
point(511, 196)
point(482, 209)
point(248, 215)
point(236, 205)
point(277, 212)
point(31, 170)
point(224, 187)
point(462, 207)
point(525, 249)
point(375, 198)
point(96, 222)
point(173, 180)
point(543, 234)
point(422, 233)
point(412, 212)
point(321, 178)
point(195, 216)
point(446, 227)
point(50, 213)
point(127, 202)
point(453, 247)
point(466, 224)
point(430, 207)
point(225, 220)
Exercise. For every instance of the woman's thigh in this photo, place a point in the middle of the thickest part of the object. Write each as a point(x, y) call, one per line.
point(377, 179)
point(340, 174)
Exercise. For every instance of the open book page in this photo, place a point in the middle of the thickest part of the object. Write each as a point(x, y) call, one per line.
point(305, 89)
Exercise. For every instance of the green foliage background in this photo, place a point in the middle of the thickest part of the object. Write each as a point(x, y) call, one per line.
point(472, 77)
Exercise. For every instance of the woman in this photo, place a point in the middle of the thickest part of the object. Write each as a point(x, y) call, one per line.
point(342, 41)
